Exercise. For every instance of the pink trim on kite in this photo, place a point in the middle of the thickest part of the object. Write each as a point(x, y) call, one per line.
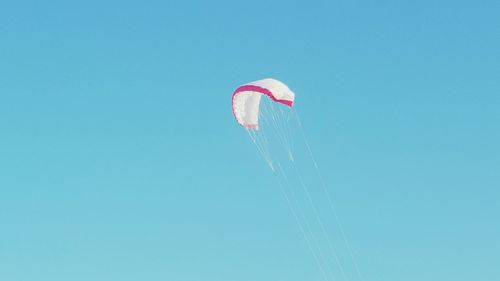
point(250, 126)
point(253, 88)
point(258, 89)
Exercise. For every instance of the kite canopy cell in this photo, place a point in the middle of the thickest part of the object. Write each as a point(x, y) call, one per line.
point(246, 100)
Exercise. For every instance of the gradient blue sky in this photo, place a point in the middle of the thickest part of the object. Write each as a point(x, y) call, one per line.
point(120, 158)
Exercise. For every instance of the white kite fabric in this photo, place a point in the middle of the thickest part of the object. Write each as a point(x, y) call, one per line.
point(265, 108)
point(246, 99)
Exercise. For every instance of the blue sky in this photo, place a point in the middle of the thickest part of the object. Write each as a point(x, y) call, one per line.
point(120, 158)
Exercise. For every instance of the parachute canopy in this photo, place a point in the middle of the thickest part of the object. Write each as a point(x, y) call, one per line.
point(246, 100)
